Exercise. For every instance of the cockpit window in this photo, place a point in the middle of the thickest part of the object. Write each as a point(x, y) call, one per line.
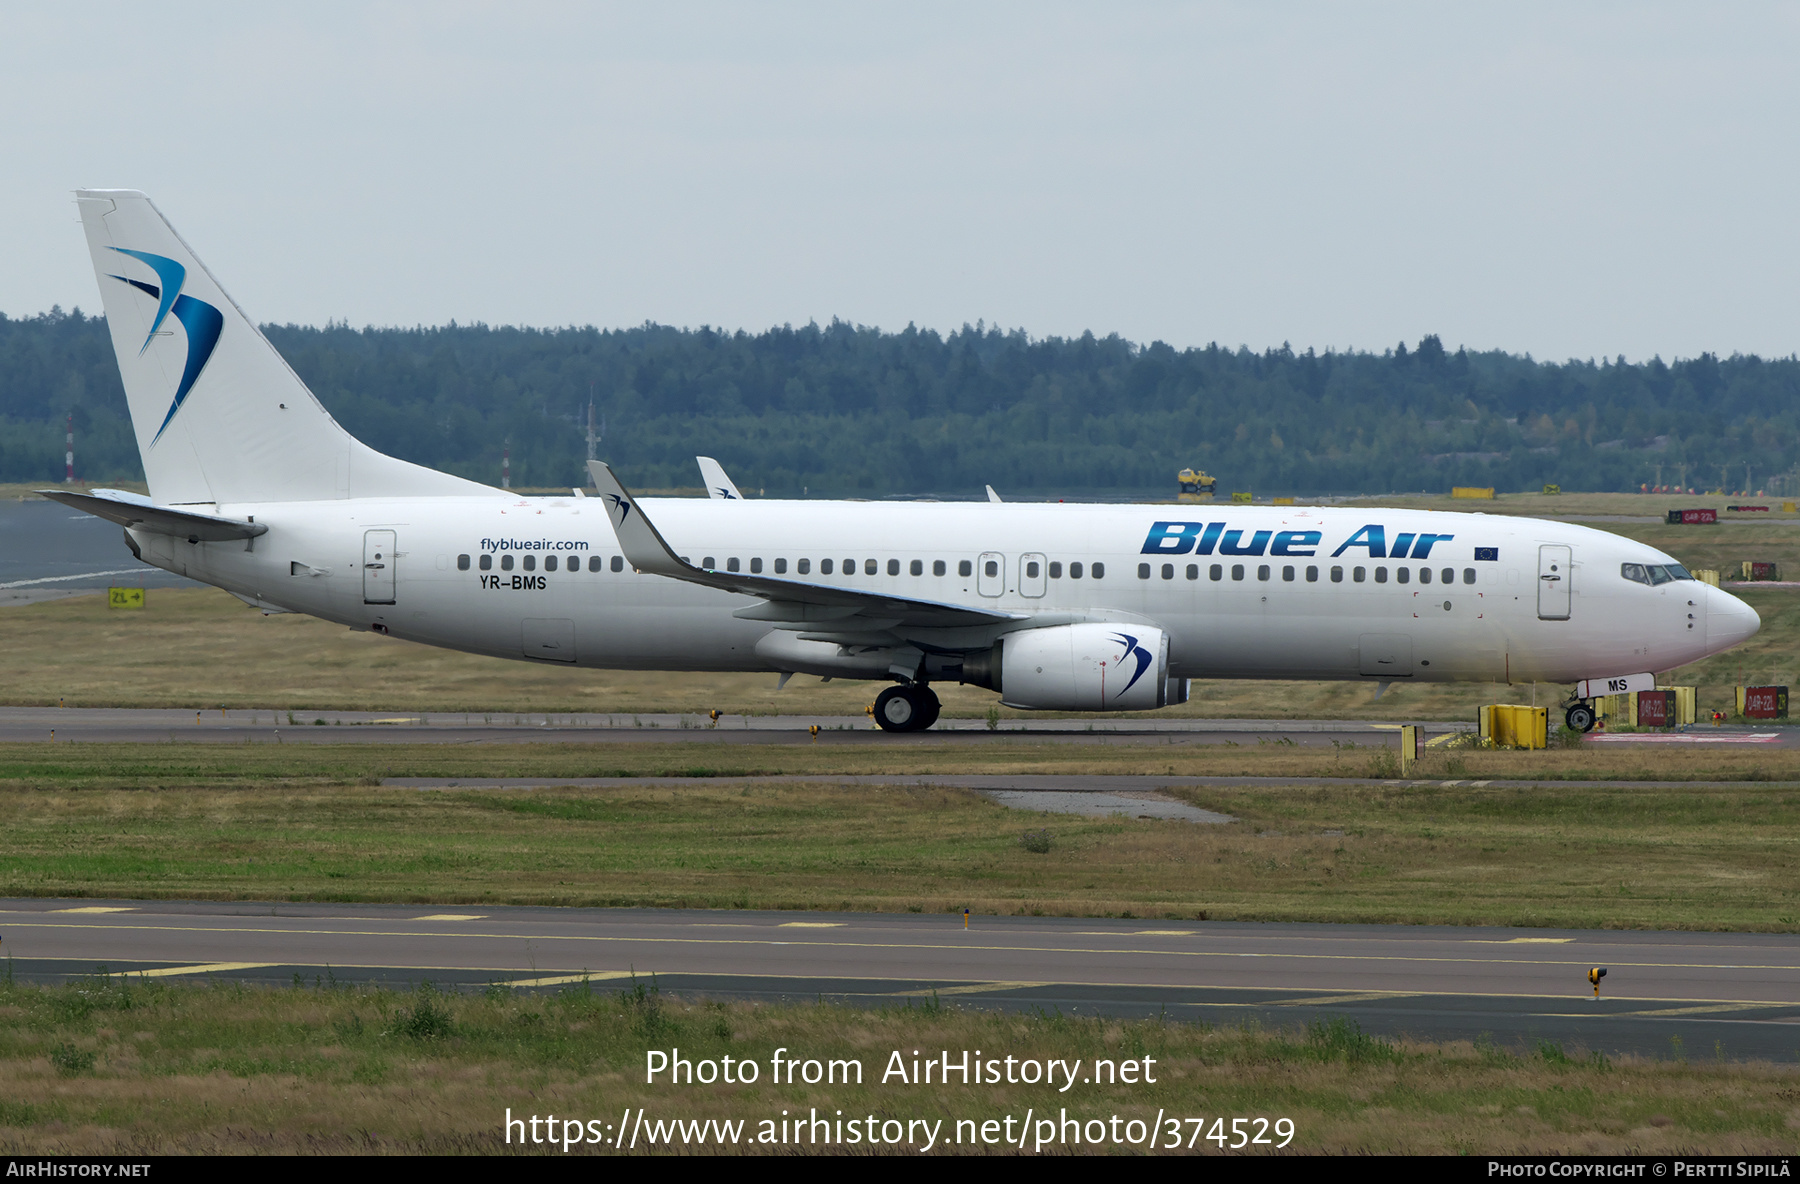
point(1680, 572)
point(1634, 572)
point(1660, 575)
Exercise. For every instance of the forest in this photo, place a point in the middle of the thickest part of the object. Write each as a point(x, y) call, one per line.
point(850, 411)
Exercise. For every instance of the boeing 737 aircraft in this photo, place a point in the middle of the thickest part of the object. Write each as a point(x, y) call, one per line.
point(254, 488)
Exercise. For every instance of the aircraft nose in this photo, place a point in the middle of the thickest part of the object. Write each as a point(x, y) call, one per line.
point(1728, 620)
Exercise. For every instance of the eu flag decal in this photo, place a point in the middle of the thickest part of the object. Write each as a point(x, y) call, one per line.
point(1487, 553)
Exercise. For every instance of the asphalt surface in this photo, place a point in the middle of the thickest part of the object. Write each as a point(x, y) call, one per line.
point(134, 725)
point(1665, 994)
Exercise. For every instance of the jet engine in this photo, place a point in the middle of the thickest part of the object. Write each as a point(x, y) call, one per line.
point(1079, 668)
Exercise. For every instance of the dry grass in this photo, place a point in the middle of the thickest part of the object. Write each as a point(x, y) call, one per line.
point(106, 1067)
point(188, 825)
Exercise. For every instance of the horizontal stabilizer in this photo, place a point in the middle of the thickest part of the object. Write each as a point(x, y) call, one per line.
point(138, 512)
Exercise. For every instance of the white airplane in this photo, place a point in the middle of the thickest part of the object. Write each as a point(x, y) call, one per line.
point(254, 488)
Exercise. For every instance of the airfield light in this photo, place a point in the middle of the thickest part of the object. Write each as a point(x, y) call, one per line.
point(965, 918)
point(814, 729)
point(1595, 974)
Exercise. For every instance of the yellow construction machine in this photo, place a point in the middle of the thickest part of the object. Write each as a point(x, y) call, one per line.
point(1196, 486)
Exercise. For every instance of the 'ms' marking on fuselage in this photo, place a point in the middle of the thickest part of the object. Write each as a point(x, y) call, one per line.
point(201, 320)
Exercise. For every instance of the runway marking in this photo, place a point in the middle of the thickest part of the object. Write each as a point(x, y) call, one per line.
point(557, 980)
point(203, 968)
point(1444, 739)
point(392, 721)
point(1359, 997)
point(1710, 1007)
point(1682, 738)
point(452, 917)
point(811, 925)
point(997, 949)
point(971, 989)
point(96, 909)
point(1164, 932)
point(117, 571)
point(1520, 941)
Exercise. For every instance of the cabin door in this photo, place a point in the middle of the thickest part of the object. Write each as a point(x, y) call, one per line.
point(378, 567)
point(1553, 583)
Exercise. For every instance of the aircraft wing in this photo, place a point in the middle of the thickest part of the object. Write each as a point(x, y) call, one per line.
point(719, 487)
point(140, 513)
point(836, 610)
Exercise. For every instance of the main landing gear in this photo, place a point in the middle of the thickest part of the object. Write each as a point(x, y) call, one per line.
point(1580, 716)
point(910, 708)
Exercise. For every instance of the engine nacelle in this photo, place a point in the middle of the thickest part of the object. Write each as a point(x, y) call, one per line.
point(1081, 668)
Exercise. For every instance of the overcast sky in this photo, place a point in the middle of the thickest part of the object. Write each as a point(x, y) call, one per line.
point(1565, 180)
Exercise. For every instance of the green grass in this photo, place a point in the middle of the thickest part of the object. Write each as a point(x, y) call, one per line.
point(169, 821)
point(123, 1067)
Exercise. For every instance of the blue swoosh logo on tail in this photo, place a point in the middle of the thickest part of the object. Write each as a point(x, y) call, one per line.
point(201, 320)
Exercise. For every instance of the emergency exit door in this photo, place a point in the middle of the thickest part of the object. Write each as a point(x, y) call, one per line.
point(378, 567)
point(1554, 585)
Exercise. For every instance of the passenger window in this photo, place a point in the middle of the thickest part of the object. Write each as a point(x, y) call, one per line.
point(937, 567)
point(1381, 575)
point(825, 567)
point(804, 566)
point(1468, 575)
point(893, 567)
point(731, 564)
point(1237, 571)
point(487, 563)
point(755, 567)
point(506, 563)
point(965, 568)
point(1448, 575)
point(1056, 570)
point(1337, 575)
point(1193, 571)
point(618, 563)
point(1357, 574)
point(1097, 570)
point(595, 563)
point(1312, 575)
point(1402, 574)
point(870, 567)
point(709, 563)
point(781, 567)
point(549, 563)
point(1262, 571)
point(991, 567)
point(1074, 571)
point(1168, 571)
point(1031, 569)
point(462, 563)
point(530, 562)
point(1216, 572)
point(918, 567)
point(1424, 575)
point(1143, 571)
point(849, 567)
point(1287, 573)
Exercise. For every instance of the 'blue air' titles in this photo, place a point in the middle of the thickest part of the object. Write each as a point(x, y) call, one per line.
point(1183, 538)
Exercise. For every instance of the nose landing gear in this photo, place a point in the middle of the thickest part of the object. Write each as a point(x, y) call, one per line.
point(910, 708)
point(1580, 716)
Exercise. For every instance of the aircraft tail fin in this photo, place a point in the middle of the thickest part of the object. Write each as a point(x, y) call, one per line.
point(719, 487)
point(220, 417)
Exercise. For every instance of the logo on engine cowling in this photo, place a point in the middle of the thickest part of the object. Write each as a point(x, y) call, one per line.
point(1132, 650)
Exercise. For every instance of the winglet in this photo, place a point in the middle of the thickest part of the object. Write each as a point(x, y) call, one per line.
point(719, 487)
point(992, 496)
point(644, 546)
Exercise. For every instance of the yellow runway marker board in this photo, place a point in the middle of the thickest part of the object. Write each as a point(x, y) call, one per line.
point(125, 598)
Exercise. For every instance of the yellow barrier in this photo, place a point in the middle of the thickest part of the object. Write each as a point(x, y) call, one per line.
point(1281, 501)
point(1507, 725)
point(1472, 491)
point(1707, 575)
point(1790, 508)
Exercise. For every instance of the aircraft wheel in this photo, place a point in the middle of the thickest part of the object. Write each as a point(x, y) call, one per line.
point(1580, 717)
point(928, 705)
point(904, 709)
